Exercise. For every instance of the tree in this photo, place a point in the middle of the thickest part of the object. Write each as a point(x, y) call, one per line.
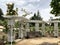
point(10, 11)
point(55, 5)
point(2, 20)
point(36, 16)
point(33, 17)
point(1, 13)
point(1, 17)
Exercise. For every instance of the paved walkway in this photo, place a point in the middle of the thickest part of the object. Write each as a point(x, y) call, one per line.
point(38, 41)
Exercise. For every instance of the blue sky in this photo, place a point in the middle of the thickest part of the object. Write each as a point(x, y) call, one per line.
point(30, 5)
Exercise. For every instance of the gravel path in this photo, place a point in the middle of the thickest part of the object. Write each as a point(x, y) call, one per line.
point(39, 41)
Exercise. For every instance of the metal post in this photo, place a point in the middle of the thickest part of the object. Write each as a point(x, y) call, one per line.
point(11, 23)
point(43, 29)
point(11, 30)
point(56, 29)
point(11, 35)
point(36, 26)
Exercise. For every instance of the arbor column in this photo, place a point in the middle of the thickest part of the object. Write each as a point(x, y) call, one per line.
point(27, 30)
point(21, 31)
point(27, 27)
point(55, 29)
point(36, 26)
point(11, 36)
point(43, 29)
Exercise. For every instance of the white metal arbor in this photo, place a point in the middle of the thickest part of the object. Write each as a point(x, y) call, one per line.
point(23, 21)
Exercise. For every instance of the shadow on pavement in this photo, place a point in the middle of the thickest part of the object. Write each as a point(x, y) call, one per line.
point(47, 43)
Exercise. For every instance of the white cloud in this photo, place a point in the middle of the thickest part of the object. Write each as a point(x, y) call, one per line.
point(20, 2)
point(28, 8)
point(45, 13)
point(34, 0)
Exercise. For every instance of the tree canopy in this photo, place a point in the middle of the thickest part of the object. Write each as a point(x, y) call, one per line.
point(10, 9)
point(36, 16)
point(55, 5)
point(1, 13)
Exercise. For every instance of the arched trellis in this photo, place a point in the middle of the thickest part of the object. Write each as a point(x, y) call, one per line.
point(24, 21)
point(11, 21)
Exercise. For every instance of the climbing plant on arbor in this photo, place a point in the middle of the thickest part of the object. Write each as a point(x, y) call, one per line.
point(10, 9)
